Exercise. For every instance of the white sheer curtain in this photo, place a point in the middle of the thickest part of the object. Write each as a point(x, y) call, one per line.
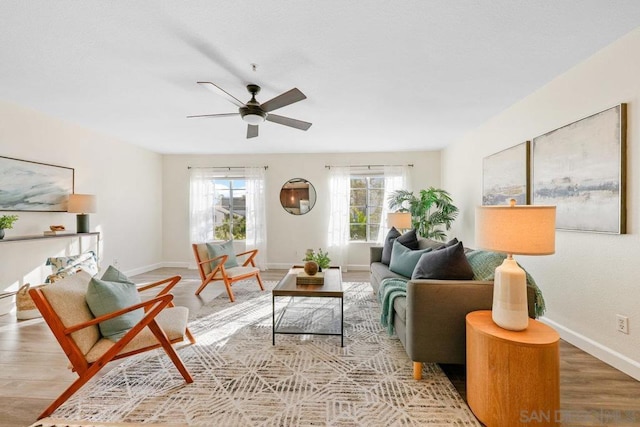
point(256, 216)
point(202, 200)
point(338, 236)
point(395, 178)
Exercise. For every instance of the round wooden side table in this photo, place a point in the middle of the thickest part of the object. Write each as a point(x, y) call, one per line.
point(513, 377)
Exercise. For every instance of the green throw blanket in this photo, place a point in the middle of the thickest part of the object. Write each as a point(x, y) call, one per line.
point(390, 289)
point(484, 265)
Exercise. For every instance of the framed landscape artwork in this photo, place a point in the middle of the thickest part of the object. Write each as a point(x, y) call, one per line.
point(505, 176)
point(581, 168)
point(33, 186)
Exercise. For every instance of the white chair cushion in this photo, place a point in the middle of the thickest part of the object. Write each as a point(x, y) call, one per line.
point(240, 271)
point(172, 320)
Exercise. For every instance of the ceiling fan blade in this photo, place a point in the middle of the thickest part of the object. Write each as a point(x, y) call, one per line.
point(294, 95)
point(287, 121)
point(252, 131)
point(219, 91)
point(214, 115)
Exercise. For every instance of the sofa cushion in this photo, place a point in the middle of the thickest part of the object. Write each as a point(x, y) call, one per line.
point(408, 239)
point(218, 249)
point(404, 260)
point(448, 263)
point(379, 272)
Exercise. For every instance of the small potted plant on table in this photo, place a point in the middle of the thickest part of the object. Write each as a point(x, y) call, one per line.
point(321, 258)
point(6, 222)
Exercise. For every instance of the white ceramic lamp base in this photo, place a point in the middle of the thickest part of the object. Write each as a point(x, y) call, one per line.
point(510, 310)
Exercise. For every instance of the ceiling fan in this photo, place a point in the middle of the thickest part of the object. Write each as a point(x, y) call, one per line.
point(255, 113)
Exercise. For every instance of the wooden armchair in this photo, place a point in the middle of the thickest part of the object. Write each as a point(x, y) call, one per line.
point(209, 274)
point(64, 308)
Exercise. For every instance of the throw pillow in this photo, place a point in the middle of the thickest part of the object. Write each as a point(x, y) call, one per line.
point(218, 249)
point(448, 263)
point(68, 265)
point(404, 260)
point(408, 239)
point(112, 293)
point(392, 235)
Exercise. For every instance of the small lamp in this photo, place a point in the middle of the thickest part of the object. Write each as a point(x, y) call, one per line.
point(82, 204)
point(399, 220)
point(523, 230)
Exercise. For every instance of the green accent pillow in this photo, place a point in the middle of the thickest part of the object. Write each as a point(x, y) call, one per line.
point(112, 293)
point(448, 263)
point(226, 248)
point(404, 260)
point(408, 239)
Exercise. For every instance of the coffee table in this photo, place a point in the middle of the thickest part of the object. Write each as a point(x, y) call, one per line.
point(305, 313)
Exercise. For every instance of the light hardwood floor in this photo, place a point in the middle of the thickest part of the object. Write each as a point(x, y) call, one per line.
point(33, 368)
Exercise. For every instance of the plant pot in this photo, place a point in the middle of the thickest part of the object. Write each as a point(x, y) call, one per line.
point(1, 233)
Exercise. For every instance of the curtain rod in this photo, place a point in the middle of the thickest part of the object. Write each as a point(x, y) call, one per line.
point(367, 166)
point(224, 167)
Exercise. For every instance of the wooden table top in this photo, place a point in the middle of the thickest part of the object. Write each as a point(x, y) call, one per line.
point(332, 286)
point(537, 333)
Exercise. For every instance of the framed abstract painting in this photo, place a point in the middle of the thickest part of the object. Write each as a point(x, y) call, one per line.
point(581, 168)
point(505, 176)
point(34, 186)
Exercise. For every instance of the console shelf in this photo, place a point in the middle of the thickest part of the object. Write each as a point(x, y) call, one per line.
point(40, 237)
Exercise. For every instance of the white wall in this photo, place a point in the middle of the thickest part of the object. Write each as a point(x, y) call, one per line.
point(592, 277)
point(127, 181)
point(288, 235)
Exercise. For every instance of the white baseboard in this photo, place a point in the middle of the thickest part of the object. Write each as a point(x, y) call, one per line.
point(611, 357)
point(189, 265)
point(143, 269)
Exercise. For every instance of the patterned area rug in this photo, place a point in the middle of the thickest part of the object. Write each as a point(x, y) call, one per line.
point(241, 379)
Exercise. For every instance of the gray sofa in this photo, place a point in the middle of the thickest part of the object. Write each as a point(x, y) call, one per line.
point(430, 320)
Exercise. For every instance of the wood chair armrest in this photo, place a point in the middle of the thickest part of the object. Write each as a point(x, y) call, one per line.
point(222, 259)
point(249, 260)
point(172, 281)
point(161, 301)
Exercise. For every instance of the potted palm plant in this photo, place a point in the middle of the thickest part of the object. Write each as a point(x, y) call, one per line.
point(6, 222)
point(430, 211)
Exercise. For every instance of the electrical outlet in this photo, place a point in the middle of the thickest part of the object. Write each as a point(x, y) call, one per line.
point(622, 323)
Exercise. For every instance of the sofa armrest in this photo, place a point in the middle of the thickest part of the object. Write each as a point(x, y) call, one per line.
point(436, 311)
point(375, 254)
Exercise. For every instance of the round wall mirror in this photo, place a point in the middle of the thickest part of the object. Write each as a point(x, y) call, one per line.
point(297, 196)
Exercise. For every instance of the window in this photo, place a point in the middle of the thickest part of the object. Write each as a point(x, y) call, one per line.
point(365, 206)
point(230, 208)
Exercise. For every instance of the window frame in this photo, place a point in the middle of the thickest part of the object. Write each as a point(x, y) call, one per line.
point(369, 208)
point(228, 180)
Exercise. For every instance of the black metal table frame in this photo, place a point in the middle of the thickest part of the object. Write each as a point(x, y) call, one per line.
point(276, 324)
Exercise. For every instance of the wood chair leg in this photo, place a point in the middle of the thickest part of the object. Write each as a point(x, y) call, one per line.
point(190, 336)
point(204, 284)
point(94, 368)
point(171, 352)
point(260, 281)
point(227, 284)
point(417, 370)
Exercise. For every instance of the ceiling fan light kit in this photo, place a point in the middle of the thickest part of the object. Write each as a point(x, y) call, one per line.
point(254, 113)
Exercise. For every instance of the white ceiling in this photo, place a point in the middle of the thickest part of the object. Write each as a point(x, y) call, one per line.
point(379, 75)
